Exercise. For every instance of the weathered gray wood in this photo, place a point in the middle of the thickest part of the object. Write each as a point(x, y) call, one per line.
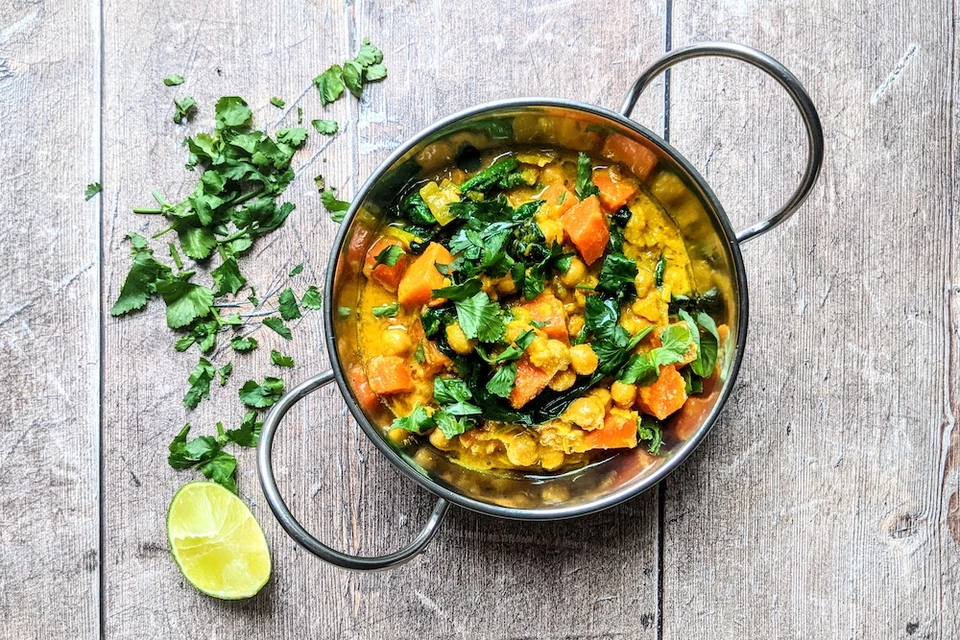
point(482, 578)
point(816, 508)
point(49, 337)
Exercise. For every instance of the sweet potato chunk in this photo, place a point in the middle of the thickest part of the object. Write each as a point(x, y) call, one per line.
point(586, 226)
point(664, 396)
point(546, 308)
point(614, 190)
point(619, 432)
point(530, 381)
point(386, 275)
point(389, 375)
point(421, 277)
point(630, 153)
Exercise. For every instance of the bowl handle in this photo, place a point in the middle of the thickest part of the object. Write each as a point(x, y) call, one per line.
point(786, 79)
point(294, 528)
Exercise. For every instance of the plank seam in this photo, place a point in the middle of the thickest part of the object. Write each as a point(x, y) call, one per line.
point(101, 541)
point(662, 489)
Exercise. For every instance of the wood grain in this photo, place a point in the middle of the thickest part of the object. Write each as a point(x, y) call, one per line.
point(603, 585)
point(813, 510)
point(49, 338)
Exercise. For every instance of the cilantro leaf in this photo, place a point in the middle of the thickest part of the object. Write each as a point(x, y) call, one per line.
point(288, 305)
point(480, 318)
point(277, 325)
point(454, 395)
point(297, 270)
point(197, 242)
point(369, 54)
point(389, 256)
point(205, 453)
point(232, 112)
point(419, 421)
point(658, 271)
point(227, 278)
point(199, 381)
point(330, 84)
point(459, 292)
point(263, 395)
point(337, 208)
point(173, 80)
point(184, 108)
point(248, 433)
point(511, 353)
point(650, 430)
point(617, 276)
point(243, 344)
point(224, 373)
point(584, 186)
point(709, 349)
point(185, 301)
point(450, 425)
point(503, 175)
point(280, 360)
point(311, 298)
point(294, 136)
point(386, 310)
point(277, 102)
point(374, 73)
point(326, 127)
point(501, 384)
point(142, 279)
point(352, 77)
point(92, 189)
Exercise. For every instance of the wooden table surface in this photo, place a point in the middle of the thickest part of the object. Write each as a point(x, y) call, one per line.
point(824, 504)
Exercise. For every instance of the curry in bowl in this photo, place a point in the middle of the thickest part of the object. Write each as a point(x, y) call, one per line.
point(530, 309)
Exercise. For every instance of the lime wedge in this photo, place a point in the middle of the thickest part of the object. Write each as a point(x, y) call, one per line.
point(217, 543)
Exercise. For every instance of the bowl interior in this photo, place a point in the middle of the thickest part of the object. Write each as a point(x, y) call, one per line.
point(710, 244)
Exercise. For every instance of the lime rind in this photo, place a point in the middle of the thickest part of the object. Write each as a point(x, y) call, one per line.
point(217, 544)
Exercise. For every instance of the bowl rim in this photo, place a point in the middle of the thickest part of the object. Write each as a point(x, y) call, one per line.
point(560, 511)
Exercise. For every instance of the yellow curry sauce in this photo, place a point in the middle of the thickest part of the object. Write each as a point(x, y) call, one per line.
point(579, 357)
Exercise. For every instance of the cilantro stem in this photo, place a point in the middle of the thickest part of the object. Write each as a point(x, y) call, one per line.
point(175, 255)
point(247, 196)
point(146, 211)
point(160, 233)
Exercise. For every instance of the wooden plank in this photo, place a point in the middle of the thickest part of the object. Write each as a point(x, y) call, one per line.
point(593, 577)
point(949, 512)
point(49, 338)
point(813, 510)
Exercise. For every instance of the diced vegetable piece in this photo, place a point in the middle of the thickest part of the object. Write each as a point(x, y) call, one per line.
point(387, 275)
point(664, 396)
point(389, 375)
point(368, 400)
point(421, 277)
point(547, 309)
point(614, 190)
point(530, 381)
point(439, 198)
point(357, 247)
point(586, 226)
point(557, 200)
point(630, 153)
point(619, 431)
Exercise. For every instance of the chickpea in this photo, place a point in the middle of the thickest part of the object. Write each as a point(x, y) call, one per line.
point(555, 494)
point(551, 459)
point(395, 342)
point(603, 395)
point(522, 450)
point(563, 380)
point(583, 359)
point(506, 285)
point(550, 355)
point(575, 273)
point(643, 282)
point(552, 231)
point(574, 324)
point(623, 394)
point(398, 435)
point(458, 339)
point(585, 412)
point(440, 441)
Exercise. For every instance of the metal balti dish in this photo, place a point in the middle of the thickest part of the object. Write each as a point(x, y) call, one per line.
point(710, 241)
